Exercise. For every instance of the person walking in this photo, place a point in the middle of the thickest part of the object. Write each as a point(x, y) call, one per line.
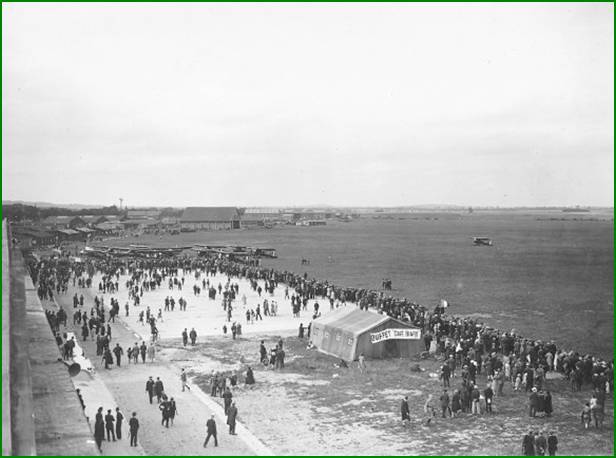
point(99, 431)
point(552, 444)
point(133, 425)
point(151, 352)
point(445, 403)
point(488, 394)
point(211, 431)
point(475, 395)
point(173, 410)
point(541, 444)
point(163, 406)
point(528, 444)
point(185, 337)
point(109, 421)
point(159, 389)
point(107, 358)
point(586, 415)
point(445, 375)
point(404, 411)
point(184, 379)
point(149, 388)
point(533, 402)
point(118, 352)
point(143, 349)
point(119, 419)
point(227, 396)
point(232, 418)
point(361, 363)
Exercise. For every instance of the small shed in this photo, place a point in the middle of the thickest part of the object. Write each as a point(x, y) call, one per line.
point(348, 332)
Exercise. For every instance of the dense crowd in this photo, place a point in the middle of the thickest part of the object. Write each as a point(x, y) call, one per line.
point(467, 347)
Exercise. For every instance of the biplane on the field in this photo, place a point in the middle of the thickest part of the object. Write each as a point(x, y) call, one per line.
point(482, 241)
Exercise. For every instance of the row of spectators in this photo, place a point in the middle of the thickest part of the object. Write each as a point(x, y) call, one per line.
point(464, 341)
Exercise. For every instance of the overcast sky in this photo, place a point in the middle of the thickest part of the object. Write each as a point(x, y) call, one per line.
point(299, 104)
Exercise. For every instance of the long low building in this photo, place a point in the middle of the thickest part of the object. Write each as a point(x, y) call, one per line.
point(210, 218)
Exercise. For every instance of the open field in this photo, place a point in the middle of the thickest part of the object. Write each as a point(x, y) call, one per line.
point(547, 279)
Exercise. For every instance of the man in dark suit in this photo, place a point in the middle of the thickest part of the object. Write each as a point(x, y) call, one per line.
point(109, 420)
point(211, 431)
point(552, 444)
point(158, 389)
point(231, 418)
point(528, 444)
point(533, 400)
point(149, 387)
point(404, 410)
point(133, 425)
point(119, 418)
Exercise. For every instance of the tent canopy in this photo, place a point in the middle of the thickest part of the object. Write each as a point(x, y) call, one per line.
point(346, 333)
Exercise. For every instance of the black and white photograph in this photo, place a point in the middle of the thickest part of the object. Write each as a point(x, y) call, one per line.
point(285, 229)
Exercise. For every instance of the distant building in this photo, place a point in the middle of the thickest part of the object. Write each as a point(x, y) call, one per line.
point(260, 218)
point(32, 236)
point(170, 221)
point(63, 222)
point(130, 224)
point(108, 228)
point(142, 213)
point(70, 235)
point(311, 222)
point(210, 218)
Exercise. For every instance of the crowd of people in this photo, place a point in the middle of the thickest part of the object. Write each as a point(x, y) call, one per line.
point(112, 425)
point(467, 346)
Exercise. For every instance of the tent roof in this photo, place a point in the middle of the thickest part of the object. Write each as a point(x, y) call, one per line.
point(352, 320)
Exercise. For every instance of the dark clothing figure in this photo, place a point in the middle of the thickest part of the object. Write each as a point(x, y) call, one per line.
point(211, 431)
point(133, 425)
point(184, 337)
point(227, 396)
point(165, 410)
point(99, 433)
point(159, 389)
point(528, 445)
point(552, 444)
point(149, 387)
point(250, 378)
point(108, 359)
point(533, 403)
point(445, 404)
point(119, 419)
point(109, 421)
point(548, 404)
point(404, 410)
point(231, 418)
point(540, 445)
point(118, 351)
point(172, 410)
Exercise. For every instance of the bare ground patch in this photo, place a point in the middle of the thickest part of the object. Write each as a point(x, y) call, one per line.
point(312, 406)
